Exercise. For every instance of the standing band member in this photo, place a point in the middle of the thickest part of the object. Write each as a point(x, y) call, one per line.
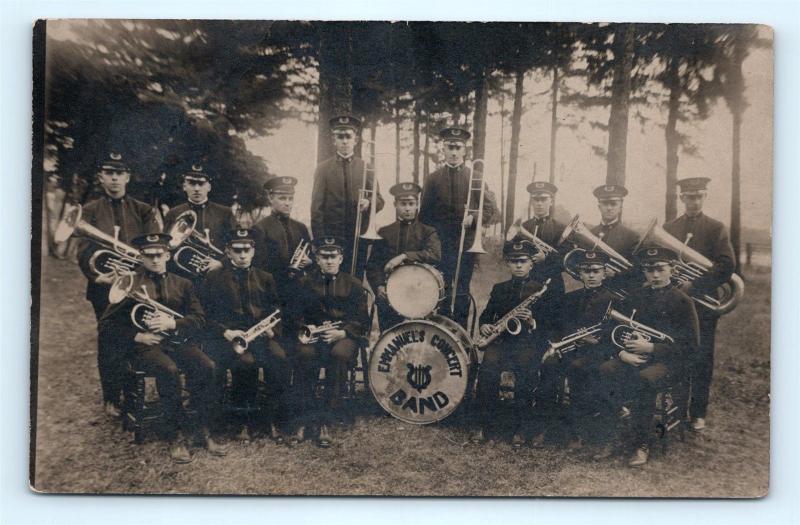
point(612, 232)
point(406, 240)
point(520, 353)
point(549, 230)
point(335, 200)
point(328, 295)
point(710, 238)
point(235, 297)
point(167, 346)
point(645, 367)
point(120, 215)
point(444, 197)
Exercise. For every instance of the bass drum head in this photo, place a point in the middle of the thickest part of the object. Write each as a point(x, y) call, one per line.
point(414, 290)
point(418, 370)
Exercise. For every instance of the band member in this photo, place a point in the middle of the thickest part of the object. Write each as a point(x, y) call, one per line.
point(167, 345)
point(579, 309)
point(328, 295)
point(612, 232)
point(406, 240)
point(120, 215)
point(644, 367)
point(213, 220)
point(335, 198)
point(520, 353)
point(549, 230)
point(710, 238)
point(236, 297)
point(444, 197)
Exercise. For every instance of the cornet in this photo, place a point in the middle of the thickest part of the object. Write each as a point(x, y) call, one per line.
point(310, 334)
point(569, 343)
point(628, 328)
point(193, 250)
point(114, 257)
point(300, 253)
point(145, 308)
point(518, 230)
point(240, 344)
point(477, 243)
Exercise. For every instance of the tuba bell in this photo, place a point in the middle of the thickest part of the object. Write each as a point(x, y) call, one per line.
point(193, 250)
point(691, 265)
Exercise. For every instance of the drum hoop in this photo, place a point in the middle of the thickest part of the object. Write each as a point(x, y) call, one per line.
point(433, 272)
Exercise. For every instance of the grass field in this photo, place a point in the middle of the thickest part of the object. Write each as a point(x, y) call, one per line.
point(78, 450)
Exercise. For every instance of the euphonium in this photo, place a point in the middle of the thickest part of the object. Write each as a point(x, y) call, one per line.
point(510, 322)
point(310, 334)
point(240, 344)
point(628, 328)
point(193, 250)
point(477, 243)
point(145, 308)
point(690, 265)
point(518, 230)
point(115, 255)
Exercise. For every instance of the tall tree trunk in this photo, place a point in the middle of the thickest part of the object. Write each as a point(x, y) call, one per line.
point(553, 124)
point(426, 162)
point(396, 142)
point(502, 162)
point(673, 141)
point(417, 118)
point(513, 159)
point(373, 131)
point(479, 117)
point(624, 39)
point(359, 150)
point(736, 104)
point(335, 85)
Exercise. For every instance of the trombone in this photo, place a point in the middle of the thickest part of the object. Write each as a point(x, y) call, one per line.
point(371, 233)
point(194, 250)
point(145, 308)
point(477, 243)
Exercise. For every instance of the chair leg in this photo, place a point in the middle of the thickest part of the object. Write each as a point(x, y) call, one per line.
point(138, 408)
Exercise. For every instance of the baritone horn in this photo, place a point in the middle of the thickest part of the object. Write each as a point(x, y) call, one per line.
point(193, 250)
point(691, 265)
point(145, 308)
point(114, 256)
point(518, 230)
point(627, 329)
point(475, 177)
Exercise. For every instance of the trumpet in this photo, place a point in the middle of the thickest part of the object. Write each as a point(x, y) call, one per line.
point(569, 343)
point(300, 253)
point(518, 230)
point(193, 250)
point(510, 322)
point(241, 343)
point(310, 334)
point(477, 243)
point(145, 308)
point(371, 233)
point(628, 329)
point(691, 265)
point(114, 256)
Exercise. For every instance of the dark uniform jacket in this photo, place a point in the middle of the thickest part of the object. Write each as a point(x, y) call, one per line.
point(670, 311)
point(132, 216)
point(281, 235)
point(584, 308)
point(418, 241)
point(506, 296)
point(334, 197)
point(624, 241)
point(337, 297)
point(176, 293)
point(236, 299)
point(217, 218)
point(549, 231)
point(710, 238)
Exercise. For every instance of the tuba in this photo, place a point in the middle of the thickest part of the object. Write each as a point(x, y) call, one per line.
point(691, 265)
point(310, 333)
point(577, 233)
point(114, 256)
point(145, 308)
point(518, 230)
point(477, 243)
point(193, 250)
point(240, 344)
point(628, 328)
point(371, 233)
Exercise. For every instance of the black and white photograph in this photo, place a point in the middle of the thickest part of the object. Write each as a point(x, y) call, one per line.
point(366, 258)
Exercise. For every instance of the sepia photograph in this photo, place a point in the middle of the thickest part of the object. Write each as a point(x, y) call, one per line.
point(307, 258)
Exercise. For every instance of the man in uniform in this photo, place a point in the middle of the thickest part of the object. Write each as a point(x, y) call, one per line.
point(213, 220)
point(406, 240)
point(521, 353)
point(236, 297)
point(646, 366)
point(548, 230)
point(167, 345)
point(335, 200)
point(444, 196)
point(123, 217)
point(710, 238)
point(612, 232)
point(328, 295)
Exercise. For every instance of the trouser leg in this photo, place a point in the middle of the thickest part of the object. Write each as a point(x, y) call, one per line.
point(650, 380)
point(276, 372)
point(702, 367)
point(110, 354)
point(613, 376)
point(526, 366)
point(155, 362)
point(486, 396)
point(341, 355)
point(200, 373)
point(387, 317)
point(306, 374)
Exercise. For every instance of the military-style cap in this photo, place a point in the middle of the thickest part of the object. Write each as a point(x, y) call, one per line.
point(345, 122)
point(196, 173)
point(240, 238)
point(328, 244)
point(588, 258)
point(152, 243)
point(454, 134)
point(405, 189)
point(519, 248)
point(537, 187)
point(113, 162)
point(693, 184)
point(610, 191)
point(280, 185)
point(653, 255)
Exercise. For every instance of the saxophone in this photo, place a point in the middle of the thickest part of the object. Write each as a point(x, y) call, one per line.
point(510, 322)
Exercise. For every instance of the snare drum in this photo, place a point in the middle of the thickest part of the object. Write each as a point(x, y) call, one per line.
point(419, 369)
point(415, 290)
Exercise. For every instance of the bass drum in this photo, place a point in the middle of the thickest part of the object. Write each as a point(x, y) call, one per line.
point(415, 290)
point(419, 369)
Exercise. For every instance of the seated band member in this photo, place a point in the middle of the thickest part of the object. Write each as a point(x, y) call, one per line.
point(549, 230)
point(213, 220)
point(520, 353)
point(166, 347)
point(235, 298)
point(582, 308)
point(328, 295)
point(644, 367)
point(405, 240)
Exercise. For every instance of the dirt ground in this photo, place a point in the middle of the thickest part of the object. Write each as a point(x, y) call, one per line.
point(79, 451)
